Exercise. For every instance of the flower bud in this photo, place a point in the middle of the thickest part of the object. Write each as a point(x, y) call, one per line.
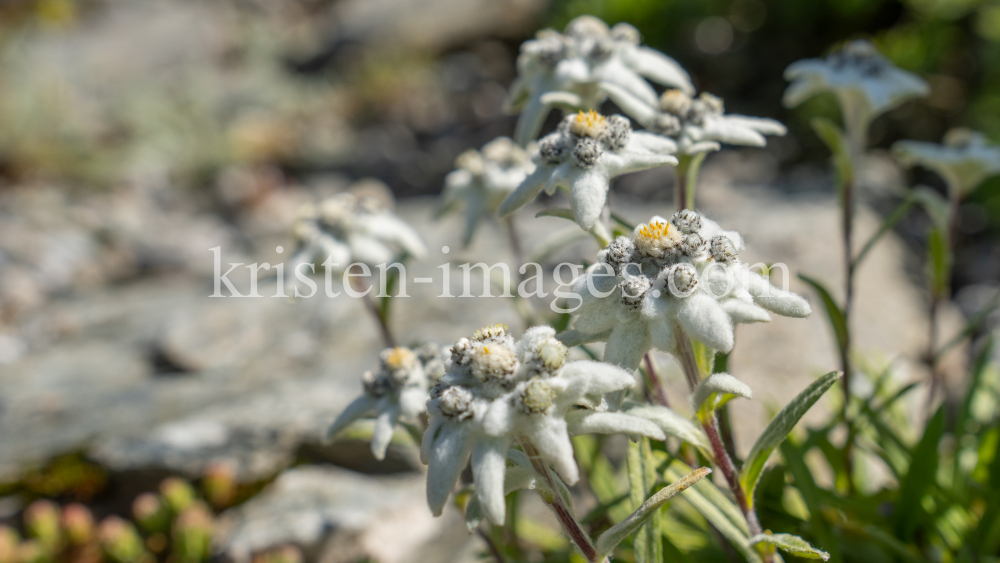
point(120, 541)
point(178, 493)
point(456, 402)
point(41, 520)
point(151, 513)
point(219, 484)
point(586, 153)
point(78, 524)
point(192, 534)
point(536, 397)
point(9, 541)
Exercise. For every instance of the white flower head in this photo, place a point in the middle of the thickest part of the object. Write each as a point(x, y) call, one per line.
point(347, 228)
point(865, 82)
point(697, 124)
point(497, 392)
point(482, 179)
point(573, 68)
point(678, 275)
point(583, 155)
point(964, 159)
point(396, 391)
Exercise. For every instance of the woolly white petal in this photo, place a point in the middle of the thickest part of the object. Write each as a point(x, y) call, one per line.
point(550, 437)
point(388, 227)
point(720, 383)
point(637, 109)
point(644, 141)
point(784, 303)
point(588, 194)
point(358, 408)
point(412, 401)
point(447, 460)
point(659, 68)
point(529, 123)
point(628, 343)
point(430, 436)
point(744, 313)
point(600, 317)
point(385, 424)
point(575, 338)
point(499, 418)
point(489, 464)
point(597, 377)
point(661, 333)
point(369, 250)
point(613, 71)
point(584, 421)
point(334, 251)
point(526, 192)
point(702, 318)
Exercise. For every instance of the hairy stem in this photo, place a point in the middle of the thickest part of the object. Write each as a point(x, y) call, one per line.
point(681, 181)
point(494, 550)
point(655, 382)
point(722, 459)
point(562, 512)
point(377, 312)
point(515, 246)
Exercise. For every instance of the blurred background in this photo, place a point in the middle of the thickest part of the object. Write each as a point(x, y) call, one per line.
point(135, 135)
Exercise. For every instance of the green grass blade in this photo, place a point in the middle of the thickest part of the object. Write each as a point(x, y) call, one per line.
point(791, 544)
point(779, 428)
point(833, 311)
point(897, 215)
point(919, 477)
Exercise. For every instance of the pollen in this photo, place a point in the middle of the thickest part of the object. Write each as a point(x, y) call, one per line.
point(589, 124)
point(657, 239)
point(655, 230)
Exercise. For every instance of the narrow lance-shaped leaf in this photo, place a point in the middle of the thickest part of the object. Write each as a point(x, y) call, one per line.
point(614, 535)
point(638, 492)
point(835, 140)
point(833, 312)
point(791, 544)
point(939, 258)
point(890, 223)
point(670, 422)
point(515, 479)
point(778, 430)
point(561, 212)
point(919, 477)
point(719, 510)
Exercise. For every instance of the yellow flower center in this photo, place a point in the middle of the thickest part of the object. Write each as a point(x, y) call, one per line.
point(398, 358)
point(589, 124)
point(654, 230)
point(653, 239)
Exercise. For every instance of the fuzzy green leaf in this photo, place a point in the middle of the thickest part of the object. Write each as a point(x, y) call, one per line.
point(791, 544)
point(561, 212)
point(614, 535)
point(716, 390)
point(670, 422)
point(778, 430)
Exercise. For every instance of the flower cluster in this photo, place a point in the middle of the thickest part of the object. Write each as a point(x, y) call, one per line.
point(346, 228)
point(497, 392)
point(697, 124)
point(583, 154)
point(575, 68)
point(682, 275)
point(483, 179)
point(964, 159)
point(396, 391)
point(866, 83)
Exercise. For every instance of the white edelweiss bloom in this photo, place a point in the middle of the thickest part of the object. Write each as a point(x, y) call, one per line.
point(865, 82)
point(586, 151)
point(345, 229)
point(397, 391)
point(964, 159)
point(573, 69)
point(677, 275)
point(498, 392)
point(482, 179)
point(697, 124)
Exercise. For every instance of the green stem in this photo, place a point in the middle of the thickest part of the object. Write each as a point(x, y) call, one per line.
point(377, 312)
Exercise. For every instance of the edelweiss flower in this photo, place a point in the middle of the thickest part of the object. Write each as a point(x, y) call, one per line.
point(345, 228)
point(397, 391)
point(677, 275)
point(483, 179)
point(583, 154)
point(497, 392)
point(696, 124)
point(964, 160)
point(573, 69)
point(865, 82)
